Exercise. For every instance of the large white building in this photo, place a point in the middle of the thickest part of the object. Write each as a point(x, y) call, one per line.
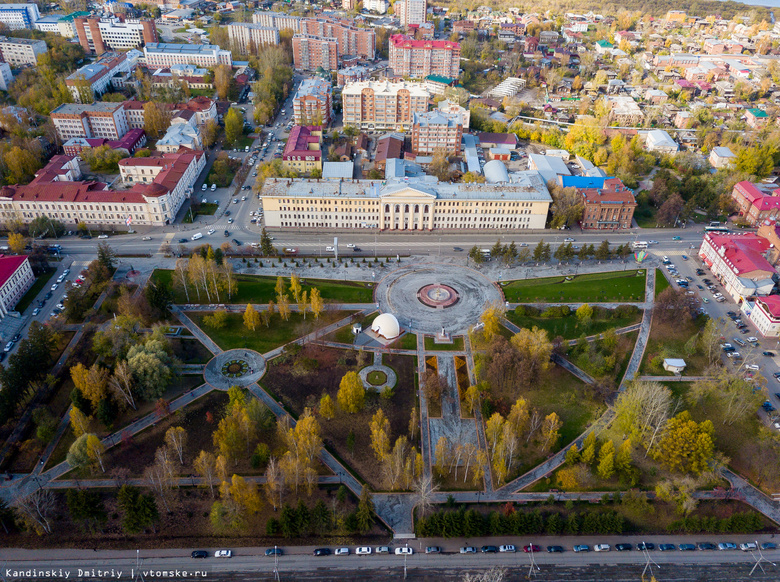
point(16, 278)
point(406, 204)
point(379, 6)
point(277, 20)
point(106, 120)
point(6, 76)
point(21, 51)
point(410, 11)
point(246, 38)
point(738, 261)
point(160, 55)
point(98, 35)
point(383, 104)
point(18, 16)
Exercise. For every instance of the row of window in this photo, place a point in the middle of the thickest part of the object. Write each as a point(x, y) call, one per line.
point(414, 226)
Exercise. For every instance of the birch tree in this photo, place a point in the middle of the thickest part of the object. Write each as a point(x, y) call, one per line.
point(36, 509)
point(176, 439)
point(284, 306)
point(315, 302)
point(95, 450)
point(273, 483)
point(295, 286)
point(550, 428)
point(121, 384)
point(180, 276)
point(303, 303)
point(205, 465)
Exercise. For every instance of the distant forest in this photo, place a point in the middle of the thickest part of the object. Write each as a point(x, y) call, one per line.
point(700, 8)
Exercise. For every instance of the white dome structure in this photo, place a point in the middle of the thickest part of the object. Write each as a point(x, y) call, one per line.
point(387, 326)
point(495, 172)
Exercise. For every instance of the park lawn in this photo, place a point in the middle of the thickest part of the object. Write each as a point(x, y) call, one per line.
point(589, 287)
point(432, 346)
point(667, 340)
point(568, 327)
point(408, 341)
point(661, 282)
point(264, 339)
point(242, 142)
point(39, 284)
point(260, 289)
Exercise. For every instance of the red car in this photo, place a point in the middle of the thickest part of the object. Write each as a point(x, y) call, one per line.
point(531, 548)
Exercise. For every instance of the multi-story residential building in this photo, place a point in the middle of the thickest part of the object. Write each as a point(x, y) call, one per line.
point(352, 75)
point(406, 205)
point(106, 120)
point(277, 20)
point(348, 4)
point(18, 16)
point(754, 205)
point(450, 107)
point(98, 35)
point(609, 205)
point(303, 150)
point(59, 24)
point(6, 76)
point(676, 17)
point(379, 6)
point(16, 278)
point(625, 111)
point(420, 58)
point(161, 55)
point(738, 262)
point(411, 11)
point(200, 109)
point(352, 40)
point(383, 104)
point(94, 79)
point(246, 38)
point(152, 193)
point(312, 102)
point(436, 130)
point(21, 51)
point(310, 52)
point(437, 85)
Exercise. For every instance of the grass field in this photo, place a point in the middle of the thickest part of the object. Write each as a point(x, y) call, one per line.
point(408, 342)
point(376, 378)
point(265, 339)
point(661, 282)
point(601, 287)
point(258, 289)
point(432, 346)
point(40, 283)
point(667, 340)
point(568, 327)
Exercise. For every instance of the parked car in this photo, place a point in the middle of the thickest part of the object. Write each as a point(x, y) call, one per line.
point(581, 548)
point(342, 551)
point(200, 554)
point(489, 549)
point(642, 546)
point(363, 551)
point(747, 546)
point(406, 550)
point(433, 550)
point(383, 550)
point(768, 546)
point(468, 550)
point(555, 549)
point(667, 547)
point(727, 546)
point(223, 554)
point(507, 548)
point(623, 547)
point(687, 547)
point(602, 547)
point(274, 552)
point(322, 552)
point(531, 548)
point(707, 546)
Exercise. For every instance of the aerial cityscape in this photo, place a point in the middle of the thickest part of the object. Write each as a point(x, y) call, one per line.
point(418, 289)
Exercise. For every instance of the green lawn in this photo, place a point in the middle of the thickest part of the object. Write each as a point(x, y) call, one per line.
point(610, 286)
point(661, 282)
point(265, 339)
point(645, 216)
point(408, 342)
point(260, 289)
point(567, 327)
point(376, 378)
point(242, 142)
point(40, 283)
point(201, 92)
point(432, 346)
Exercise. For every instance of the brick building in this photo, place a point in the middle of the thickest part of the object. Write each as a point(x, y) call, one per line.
point(312, 102)
point(609, 205)
point(436, 130)
point(420, 58)
point(303, 150)
point(383, 104)
point(100, 35)
point(310, 52)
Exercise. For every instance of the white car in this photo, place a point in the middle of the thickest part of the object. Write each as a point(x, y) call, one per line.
point(342, 552)
point(60, 279)
point(507, 548)
point(243, 198)
point(102, 236)
point(363, 551)
point(204, 187)
point(212, 231)
point(8, 346)
point(747, 547)
point(36, 311)
point(54, 287)
point(223, 554)
point(752, 367)
point(752, 339)
point(568, 239)
point(146, 238)
point(330, 249)
point(602, 547)
point(350, 246)
point(404, 551)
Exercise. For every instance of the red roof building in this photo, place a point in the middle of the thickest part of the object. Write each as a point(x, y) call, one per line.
point(16, 278)
point(420, 58)
point(303, 152)
point(756, 206)
point(739, 261)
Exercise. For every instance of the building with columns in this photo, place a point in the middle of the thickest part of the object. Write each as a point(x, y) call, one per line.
point(16, 278)
point(406, 204)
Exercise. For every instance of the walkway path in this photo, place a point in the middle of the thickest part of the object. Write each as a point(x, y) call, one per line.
point(61, 428)
point(425, 429)
point(195, 330)
point(644, 333)
point(674, 378)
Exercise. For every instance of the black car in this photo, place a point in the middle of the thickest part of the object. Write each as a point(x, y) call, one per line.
point(489, 549)
point(2, 356)
point(227, 212)
point(236, 242)
point(48, 295)
point(707, 546)
point(554, 549)
point(322, 552)
point(17, 337)
point(274, 552)
point(768, 406)
point(768, 354)
point(457, 249)
point(227, 233)
point(200, 554)
point(687, 547)
point(182, 240)
point(641, 546)
point(667, 547)
point(623, 547)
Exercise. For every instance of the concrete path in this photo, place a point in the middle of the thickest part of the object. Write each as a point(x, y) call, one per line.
point(572, 369)
point(752, 496)
point(644, 333)
point(391, 377)
point(674, 378)
point(195, 330)
point(61, 428)
point(425, 429)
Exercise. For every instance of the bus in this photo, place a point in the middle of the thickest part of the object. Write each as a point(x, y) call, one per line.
point(639, 244)
point(716, 229)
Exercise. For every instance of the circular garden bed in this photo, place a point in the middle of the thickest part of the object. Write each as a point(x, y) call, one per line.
point(235, 368)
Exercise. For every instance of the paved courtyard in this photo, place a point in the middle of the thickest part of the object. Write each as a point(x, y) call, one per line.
point(397, 293)
point(239, 367)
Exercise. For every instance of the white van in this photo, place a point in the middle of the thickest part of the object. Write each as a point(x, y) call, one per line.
point(213, 187)
point(197, 236)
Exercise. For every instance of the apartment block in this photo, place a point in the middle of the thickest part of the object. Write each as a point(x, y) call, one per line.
point(94, 79)
point(379, 6)
point(106, 120)
point(420, 58)
point(352, 40)
point(410, 11)
point(19, 16)
point(277, 20)
point(21, 51)
point(159, 55)
point(99, 35)
point(436, 130)
point(383, 104)
point(245, 37)
point(312, 102)
point(310, 52)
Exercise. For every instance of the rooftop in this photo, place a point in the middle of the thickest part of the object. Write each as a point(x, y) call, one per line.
point(304, 140)
point(743, 253)
point(78, 109)
point(9, 265)
point(401, 40)
point(185, 49)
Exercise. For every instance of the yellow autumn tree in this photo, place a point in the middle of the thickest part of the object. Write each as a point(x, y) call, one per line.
point(327, 409)
point(352, 394)
point(251, 317)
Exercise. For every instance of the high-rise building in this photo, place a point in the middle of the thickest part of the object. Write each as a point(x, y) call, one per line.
point(352, 40)
point(18, 16)
point(383, 104)
point(410, 11)
point(379, 6)
point(202, 55)
point(99, 35)
point(436, 130)
point(277, 20)
point(312, 103)
point(21, 51)
point(310, 52)
point(420, 58)
point(245, 37)
point(348, 4)
point(60, 24)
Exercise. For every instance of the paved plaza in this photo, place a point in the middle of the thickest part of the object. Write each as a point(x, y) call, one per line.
point(239, 367)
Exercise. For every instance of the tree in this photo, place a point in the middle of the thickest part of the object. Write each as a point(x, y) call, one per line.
point(176, 439)
point(234, 126)
point(603, 253)
point(251, 317)
point(686, 446)
point(567, 205)
point(216, 320)
point(273, 483)
point(584, 315)
point(315, 302)
point(534, 350)
point(432, 385)
point(150, 363)
point(79, 422)
point(642, 411)
point(16, 242)
point(541, 252)
point(351, 395)
point(106, 256)
point(157, 119)
point(550, 429)
point(606, 466)
point(86, 508)
point(37, 509)
point(77, 453)
point(440, 165)
point(472, 398)
point(670, 210)
point(295, 286)
point(90, 382)
point(572, 455)
point(674, 305)
point(380, 435)
point(327, 409)
point(223, 74)
point(209, 133)
point(231, 436)
point(205, 465)
point(283, 305)
point(139, 511)
point(491, 320)
point(365, 511)
point(95, 450)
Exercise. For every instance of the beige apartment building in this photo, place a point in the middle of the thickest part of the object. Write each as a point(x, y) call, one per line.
point(106, 120)
point(246, 38)
point(21, 51)
point(383, 104)
point(421, 58)
point(401, 205)
point(436, 130)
